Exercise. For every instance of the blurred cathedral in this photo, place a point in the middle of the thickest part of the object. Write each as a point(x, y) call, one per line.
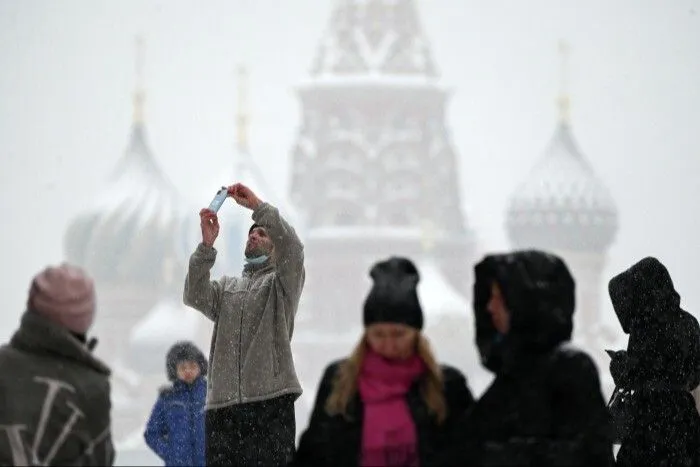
point(374, 173)
point(128, 239)
point(563, 207)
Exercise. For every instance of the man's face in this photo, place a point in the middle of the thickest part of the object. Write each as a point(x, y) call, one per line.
point(258, 244)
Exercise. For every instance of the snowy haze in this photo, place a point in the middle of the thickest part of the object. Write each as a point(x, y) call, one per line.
point(68, 75)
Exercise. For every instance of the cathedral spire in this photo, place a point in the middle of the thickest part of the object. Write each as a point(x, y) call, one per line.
point(564, 101)
point(139, 94)
point(242, 112)
point(375, 38)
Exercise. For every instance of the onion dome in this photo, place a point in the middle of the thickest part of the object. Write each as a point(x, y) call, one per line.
point(562, 204)
point(127, 231)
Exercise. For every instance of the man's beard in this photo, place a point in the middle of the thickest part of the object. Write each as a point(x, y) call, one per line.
point(255, 251)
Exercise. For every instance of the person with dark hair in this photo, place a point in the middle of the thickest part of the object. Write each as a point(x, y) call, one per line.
point(658, 421)
point(545, 406)
point(253, 383)
point(390, 402)
point(54, 393)
point(175, 429)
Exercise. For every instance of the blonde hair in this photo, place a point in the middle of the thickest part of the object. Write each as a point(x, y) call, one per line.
point(345, 381)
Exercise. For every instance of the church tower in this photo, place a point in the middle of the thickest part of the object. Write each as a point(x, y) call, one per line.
point(126, 240)
point(373, 160)
point(562, 206)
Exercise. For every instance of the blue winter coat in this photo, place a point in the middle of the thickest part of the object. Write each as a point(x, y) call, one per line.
point(175, 430)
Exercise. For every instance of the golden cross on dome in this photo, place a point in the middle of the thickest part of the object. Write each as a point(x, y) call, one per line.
point(563, 101)
point(242, 113)
point(139, 94)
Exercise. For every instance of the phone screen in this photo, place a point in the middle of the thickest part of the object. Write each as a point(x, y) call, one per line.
point(218, 200)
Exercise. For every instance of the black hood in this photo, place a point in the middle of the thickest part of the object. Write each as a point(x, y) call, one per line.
point(184, 351)
point(664, 342)
point(643, 292)
point(539, 293)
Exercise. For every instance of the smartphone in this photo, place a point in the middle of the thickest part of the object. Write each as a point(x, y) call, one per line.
point(219, 199)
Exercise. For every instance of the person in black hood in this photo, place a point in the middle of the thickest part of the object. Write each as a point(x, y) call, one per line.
point(661, 365)
point(545, 406)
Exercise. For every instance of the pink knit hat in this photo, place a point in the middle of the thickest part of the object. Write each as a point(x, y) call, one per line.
point(66, 296)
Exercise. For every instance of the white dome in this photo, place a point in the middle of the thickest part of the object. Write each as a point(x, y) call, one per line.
point(168, 322)
point(128, 228)
point(562, 203)
point(438, 298)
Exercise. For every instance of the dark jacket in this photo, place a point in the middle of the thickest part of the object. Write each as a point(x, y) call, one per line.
point(175, 429)
point(336, 441)
point(54, 399)
point(545, 406)
point(661, 365)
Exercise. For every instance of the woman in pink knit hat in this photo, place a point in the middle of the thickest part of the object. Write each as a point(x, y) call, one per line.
point(55, 404)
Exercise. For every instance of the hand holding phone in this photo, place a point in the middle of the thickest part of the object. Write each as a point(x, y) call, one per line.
point(209, 223)
point(219, 199)
point(244, 196)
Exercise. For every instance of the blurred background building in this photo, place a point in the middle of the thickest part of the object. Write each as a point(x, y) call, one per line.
point(373, 174)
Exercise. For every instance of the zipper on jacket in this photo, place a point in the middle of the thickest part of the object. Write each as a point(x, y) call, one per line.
point(240, 337)
point(193, 426)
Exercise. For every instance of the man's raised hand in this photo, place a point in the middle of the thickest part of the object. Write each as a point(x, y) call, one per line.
point(209, 222)
point(244, 196)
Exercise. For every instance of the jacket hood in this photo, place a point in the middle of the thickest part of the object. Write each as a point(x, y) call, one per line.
point(664, 343)
point(643, 292)
point(539, 294)
point(184, 351)
point(40, 335)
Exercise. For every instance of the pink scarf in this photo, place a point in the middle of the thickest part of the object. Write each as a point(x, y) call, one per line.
point(388, 433)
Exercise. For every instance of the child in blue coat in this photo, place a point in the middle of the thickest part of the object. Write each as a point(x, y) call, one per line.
point(175, 430)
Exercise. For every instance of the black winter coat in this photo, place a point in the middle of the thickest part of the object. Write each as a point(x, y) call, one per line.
point(662, 366)
point(336, 441)
point(545, 406)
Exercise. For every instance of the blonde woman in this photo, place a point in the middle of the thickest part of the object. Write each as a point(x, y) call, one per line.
point(389, 402)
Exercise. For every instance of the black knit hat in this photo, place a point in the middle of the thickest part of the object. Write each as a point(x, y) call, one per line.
point(393, 297)
point(184, 351)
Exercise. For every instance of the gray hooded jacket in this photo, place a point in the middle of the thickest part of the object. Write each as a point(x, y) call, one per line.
point(251, 358)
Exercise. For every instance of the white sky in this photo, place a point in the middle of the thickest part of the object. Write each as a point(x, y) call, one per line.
point(67, 75)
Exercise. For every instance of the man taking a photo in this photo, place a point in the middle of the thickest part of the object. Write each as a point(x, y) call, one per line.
point(252, 382)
